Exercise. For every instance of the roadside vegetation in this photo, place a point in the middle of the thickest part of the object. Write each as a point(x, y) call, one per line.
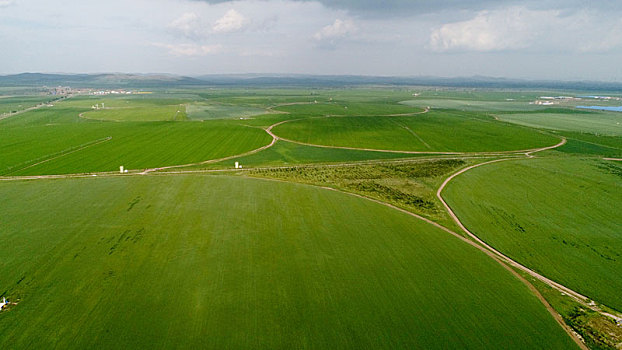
point(283, 252)
point(407, 184)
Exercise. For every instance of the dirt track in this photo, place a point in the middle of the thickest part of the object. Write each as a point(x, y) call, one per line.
point(585, 301)
point(507, 262)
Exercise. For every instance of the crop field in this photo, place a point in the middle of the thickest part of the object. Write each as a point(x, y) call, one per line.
point(600, 123)
point(328, 233)
point(223, 262)
point(473, 105)
point(160, 113)
point(287, 153)
point(66, 143)
point(204, 111)
point(590, 144)
point(435, 131)
point(558, 216)
point(19, 103)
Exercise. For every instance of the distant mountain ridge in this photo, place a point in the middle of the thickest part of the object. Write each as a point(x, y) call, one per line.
point(97, 80)
point(123, 80)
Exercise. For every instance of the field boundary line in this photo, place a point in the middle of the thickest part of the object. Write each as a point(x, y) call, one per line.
point(580, 298)
point(5, 116)
point(490, 253)
point(64, 153)
point(209, 161)
point(527, 152)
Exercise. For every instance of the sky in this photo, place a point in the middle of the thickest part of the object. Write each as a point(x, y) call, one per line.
point(544, 39)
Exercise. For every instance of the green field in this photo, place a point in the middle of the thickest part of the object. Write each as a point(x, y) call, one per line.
point(205, 111)
point(276, 255)
point(436, 131)
point(287, 153)
point(145, 114)
point(560, 217)
point(590, 144)
point(66, 143)
point(10, 104)
point(222, 262)
point(601, 123)
point(473, 105)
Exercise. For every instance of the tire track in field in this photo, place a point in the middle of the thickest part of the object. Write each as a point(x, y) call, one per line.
point(413, 133)
point(64, 153)
point(209, 161)
point(578, 297)
point(8, 115)
point(527, 152)
point(506, 262)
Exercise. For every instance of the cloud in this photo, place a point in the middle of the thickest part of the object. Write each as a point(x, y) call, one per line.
point(408, 8)
point(6, 3)
point(192, 26)
point(526, 30)
point(190, 49)
point(232, 21)
point(339, 29)
point(375, 8)
point(189, 25)
point(509, 29)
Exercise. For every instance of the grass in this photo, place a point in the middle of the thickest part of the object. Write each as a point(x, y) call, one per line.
point(12, 104)
point(145, 145)
point(601, 123)
point(559, 217)
point(52, 136)
point(204, 111)
point(222, 262)
point(157, 113)
point(589, 144)
point(436, 131)
point(347, 108)
point(473, 104)
point(410, 185)
point(285, 153)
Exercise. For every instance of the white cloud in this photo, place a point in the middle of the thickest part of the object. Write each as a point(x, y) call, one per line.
point(232, 21)
point(6, 3)
point(188, 25)
point(190, 49)
point(521, 29)
point(339, 29)
point(507, 29)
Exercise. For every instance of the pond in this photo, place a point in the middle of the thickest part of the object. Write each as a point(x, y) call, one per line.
point(603, 108)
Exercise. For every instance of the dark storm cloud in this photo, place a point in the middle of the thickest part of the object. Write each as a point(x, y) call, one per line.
point(376, 8)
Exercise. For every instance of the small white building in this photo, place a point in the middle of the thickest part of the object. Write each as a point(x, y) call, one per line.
point(121, 170)
point(237, 165)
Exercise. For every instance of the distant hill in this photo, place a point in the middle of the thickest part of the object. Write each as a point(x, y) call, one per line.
point(284, 80)
point(353, 80)
point(97, 80)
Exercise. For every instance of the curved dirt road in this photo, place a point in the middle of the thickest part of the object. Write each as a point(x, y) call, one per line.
point(582, 299)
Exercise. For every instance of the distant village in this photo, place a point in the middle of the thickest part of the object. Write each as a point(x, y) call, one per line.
point(66, 90)
point(555, 100)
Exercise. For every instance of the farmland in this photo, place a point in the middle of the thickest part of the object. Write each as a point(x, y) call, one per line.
point(440, 131)
point(331, 235)
point(104, 146)
point(559, 216)
point(601, 123)
point(223, 262)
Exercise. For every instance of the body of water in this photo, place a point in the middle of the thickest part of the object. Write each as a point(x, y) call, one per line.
point(603, 108)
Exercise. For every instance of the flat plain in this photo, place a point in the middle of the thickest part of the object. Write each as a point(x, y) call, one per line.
point(559, 216)
point(224, 262)
point(331, 247)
